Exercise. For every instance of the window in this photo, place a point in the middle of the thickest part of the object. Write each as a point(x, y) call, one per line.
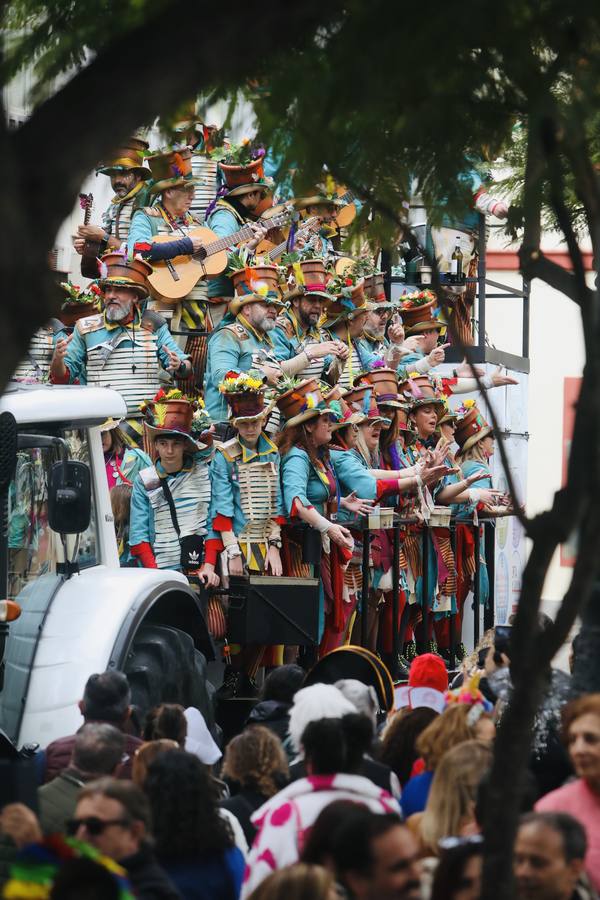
point(33, 548)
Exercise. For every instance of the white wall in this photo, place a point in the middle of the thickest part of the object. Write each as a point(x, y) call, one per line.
point(556, 352)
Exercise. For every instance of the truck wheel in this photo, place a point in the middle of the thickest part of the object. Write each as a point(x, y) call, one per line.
point(163, 666)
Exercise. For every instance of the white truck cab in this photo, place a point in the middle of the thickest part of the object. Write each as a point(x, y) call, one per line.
point(148, 623)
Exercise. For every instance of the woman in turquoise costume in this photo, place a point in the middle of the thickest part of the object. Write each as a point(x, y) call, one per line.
point(475, 440)
point(312, 495)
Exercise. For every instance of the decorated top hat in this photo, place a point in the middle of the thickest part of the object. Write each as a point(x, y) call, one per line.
point(356, 396)
point(371, 412)
point(302, 402)
point(244, 178)
point(245, 395)
point(347, 415)
point(255, 284)
point(449, 414)
point(384, 382)
point(471, 427)
point(420, 390)
point(375, 292)
point(173, 414)
point(171, 168)
point(125, 270)
point(128, 157)
point(308, 276)
point(347, 298)
point(345, 212)
point(420, 312)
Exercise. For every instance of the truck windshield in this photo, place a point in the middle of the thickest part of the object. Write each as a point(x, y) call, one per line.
point(33, 548)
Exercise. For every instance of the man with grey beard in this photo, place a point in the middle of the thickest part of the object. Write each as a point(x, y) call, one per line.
point(121, 348)
point(246, 343)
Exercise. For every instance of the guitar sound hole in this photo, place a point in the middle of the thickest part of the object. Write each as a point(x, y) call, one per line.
point(201, 253)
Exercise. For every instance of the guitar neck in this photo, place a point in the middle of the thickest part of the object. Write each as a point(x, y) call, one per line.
point(280, 248)
point(230, 240)
point(348, 197)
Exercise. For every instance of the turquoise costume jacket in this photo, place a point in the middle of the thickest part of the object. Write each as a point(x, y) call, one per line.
point(231, 348)
point(300, 480)
point(373, 346)
point(412, 358)
point(466, 510)
point(225, 488)
point(353, 474)
point(81, 344)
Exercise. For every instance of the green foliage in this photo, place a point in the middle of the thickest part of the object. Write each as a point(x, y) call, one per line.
point(60, 36)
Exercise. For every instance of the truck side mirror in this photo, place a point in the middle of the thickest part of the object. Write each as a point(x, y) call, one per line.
point(69, 497)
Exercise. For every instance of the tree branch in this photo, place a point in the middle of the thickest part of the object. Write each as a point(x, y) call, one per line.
point(94, 102)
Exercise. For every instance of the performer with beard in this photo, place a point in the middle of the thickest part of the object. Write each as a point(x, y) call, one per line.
point(122, 347)
point(128, 178)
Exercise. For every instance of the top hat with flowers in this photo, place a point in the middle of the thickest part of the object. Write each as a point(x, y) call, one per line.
point(420, 312)
point(346, 299)
point(240, 168)
point(172, 414)
point(307, 276)
point(471, 427)
point(79, 302)
point(245, 395)
point(384, 382)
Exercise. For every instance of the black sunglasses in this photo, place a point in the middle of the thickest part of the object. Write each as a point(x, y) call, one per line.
point(94, 825)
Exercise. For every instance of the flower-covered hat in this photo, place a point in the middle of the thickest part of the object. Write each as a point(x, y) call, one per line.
point(449, 414)
point(346, 299)
point(420, 312)
point(171, 168)
point(471, 427)
point(346, 414)
point(79, 302)
point(371, 412)
point(241, 169)
point(128, 157)
point(123, 269)
point(172, 414)
point(302, 402)
point(245, 395)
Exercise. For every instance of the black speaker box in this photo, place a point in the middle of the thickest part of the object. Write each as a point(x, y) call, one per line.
point(267, 610)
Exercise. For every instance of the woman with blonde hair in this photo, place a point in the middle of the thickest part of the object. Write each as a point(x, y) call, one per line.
point(298, 882)
point(447, 730)
point(450, 810)
point(256, 768)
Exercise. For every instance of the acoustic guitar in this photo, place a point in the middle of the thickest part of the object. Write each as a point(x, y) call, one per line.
point(173, 279)
point(91, 249)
